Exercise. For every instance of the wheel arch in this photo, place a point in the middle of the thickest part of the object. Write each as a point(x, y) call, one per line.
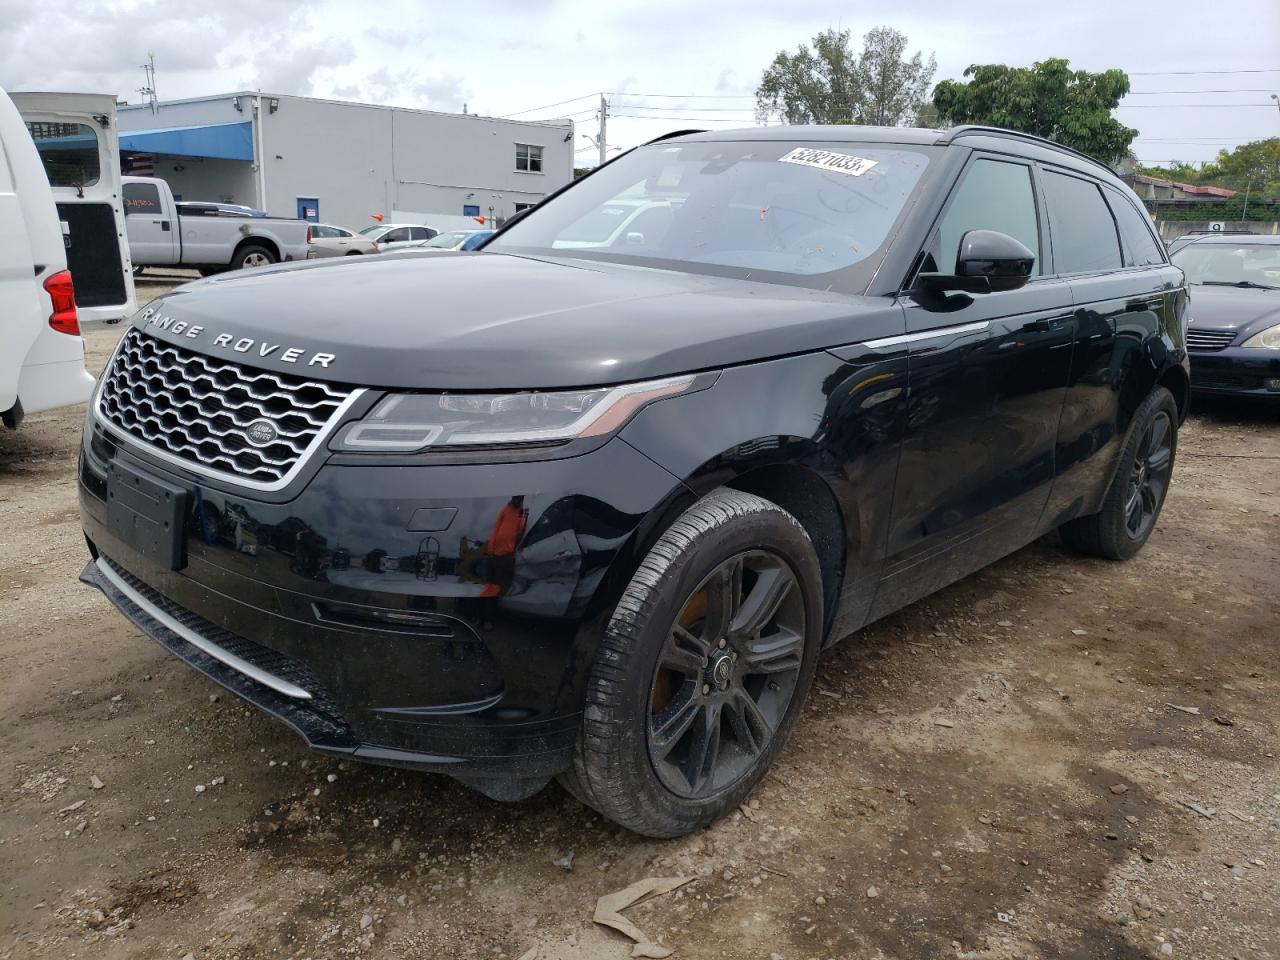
point(1176, 381)
point(805, 495)
point(256, 241)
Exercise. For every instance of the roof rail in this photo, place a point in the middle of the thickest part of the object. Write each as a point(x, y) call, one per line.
point(671, 135)
point(968, 128)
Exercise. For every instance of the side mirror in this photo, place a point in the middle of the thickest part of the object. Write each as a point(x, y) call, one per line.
point(987, 262)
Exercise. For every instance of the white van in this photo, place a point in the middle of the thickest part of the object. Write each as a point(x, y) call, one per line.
point(62, 255)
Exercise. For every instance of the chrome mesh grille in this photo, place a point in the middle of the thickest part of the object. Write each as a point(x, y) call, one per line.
point(197, 408)
point(1209, 339)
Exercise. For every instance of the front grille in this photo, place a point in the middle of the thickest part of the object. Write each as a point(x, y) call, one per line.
point(197, 408)
point(1209, 339)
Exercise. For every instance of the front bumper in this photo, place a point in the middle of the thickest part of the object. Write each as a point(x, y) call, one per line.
point(376, 595)
point(1236, 371)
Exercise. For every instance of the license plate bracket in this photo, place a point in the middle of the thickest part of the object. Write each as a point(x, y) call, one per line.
point(147, 514)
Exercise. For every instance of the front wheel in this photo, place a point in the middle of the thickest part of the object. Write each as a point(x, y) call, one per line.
point(1137, 492)
point(702, 669)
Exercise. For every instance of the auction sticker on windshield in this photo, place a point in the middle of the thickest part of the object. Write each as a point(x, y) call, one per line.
point(824, 160)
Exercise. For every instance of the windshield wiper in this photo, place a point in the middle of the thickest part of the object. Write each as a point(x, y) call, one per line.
point(1248, 284)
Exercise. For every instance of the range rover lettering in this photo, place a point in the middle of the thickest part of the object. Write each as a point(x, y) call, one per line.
point(598, 523)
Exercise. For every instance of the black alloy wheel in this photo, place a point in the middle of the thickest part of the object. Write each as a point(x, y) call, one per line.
point(726, 675)
point(1149, 477)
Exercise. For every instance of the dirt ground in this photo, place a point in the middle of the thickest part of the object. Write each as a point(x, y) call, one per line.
point(1057, 757)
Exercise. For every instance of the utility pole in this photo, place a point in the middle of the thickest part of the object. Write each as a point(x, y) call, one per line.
point(604, 117)
point(148, 90)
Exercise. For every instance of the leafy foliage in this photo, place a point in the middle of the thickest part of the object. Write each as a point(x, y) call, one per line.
point(831, 84)
point(1252, 167)
point(1048, 99)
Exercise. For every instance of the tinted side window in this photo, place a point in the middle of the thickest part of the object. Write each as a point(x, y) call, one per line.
point(1084, 235)
point(141, 199)
point(1140, 247)
point(992, 195)
point(396, 236)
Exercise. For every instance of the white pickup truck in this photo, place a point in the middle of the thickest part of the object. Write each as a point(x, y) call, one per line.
point(163, 233)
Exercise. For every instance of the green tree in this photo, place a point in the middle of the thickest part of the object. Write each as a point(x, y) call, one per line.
point(831, 84)
point(1253, 166)
point(1047, 99)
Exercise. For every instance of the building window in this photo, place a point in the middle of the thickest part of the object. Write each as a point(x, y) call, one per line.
point(471, 209)
point(528, 158)
point(523, 206)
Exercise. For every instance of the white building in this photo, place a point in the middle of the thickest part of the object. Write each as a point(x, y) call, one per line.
point(337, 162)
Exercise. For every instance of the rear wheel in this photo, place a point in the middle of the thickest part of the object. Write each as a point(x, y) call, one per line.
point(1137, 492)
point(252, 255)
point(703, 668)
point(353, 253)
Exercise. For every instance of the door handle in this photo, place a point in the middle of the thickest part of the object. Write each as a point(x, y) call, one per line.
point(1037, 326)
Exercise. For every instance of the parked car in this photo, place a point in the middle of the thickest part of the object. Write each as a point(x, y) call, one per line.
point(326, 240)
point(591, 512)
point(455, 240)
point(44, 229)
point(396, 236)
point(1234, 328)
point(1191, 236)
point(163, 233)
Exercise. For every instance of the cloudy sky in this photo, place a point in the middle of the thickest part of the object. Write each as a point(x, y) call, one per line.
point(1202, 73)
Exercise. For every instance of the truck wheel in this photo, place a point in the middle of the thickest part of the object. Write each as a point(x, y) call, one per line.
point(1137, 490)
point(252, 255)
point(703, 668)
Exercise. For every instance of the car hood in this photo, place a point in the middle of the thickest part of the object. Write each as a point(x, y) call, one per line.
point(1245, 310)
point(476, 321)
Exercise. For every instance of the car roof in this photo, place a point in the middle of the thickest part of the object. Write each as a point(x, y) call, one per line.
point(1235, 239)
point(971, 135)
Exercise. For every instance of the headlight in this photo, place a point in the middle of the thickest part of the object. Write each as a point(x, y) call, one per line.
point(408, 422)
point(1268, 339)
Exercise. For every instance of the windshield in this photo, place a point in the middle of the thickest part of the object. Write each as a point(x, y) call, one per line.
point(764, 210)
point(1242, 263)
point(446, 240)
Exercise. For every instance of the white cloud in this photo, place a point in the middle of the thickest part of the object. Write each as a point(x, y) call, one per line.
point(507, 55)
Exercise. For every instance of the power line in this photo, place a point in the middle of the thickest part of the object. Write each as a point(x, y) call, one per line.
point(585, 96)
point(1161, 93)
point(1179, 106)
point(1198, 73)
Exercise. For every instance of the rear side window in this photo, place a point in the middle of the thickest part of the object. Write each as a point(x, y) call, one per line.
point(993, 195)
point(396, 236)
point(1084, 235)
point(69, 152)
point(141, 200)
point(1140, 247)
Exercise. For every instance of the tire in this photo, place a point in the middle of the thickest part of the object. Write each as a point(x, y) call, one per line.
point(625, 764)
point(252, 255)
point(1138, 489)
point(353, 253)
point(137, 270)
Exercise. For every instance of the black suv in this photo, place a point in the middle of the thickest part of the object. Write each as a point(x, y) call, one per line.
point(588, 503)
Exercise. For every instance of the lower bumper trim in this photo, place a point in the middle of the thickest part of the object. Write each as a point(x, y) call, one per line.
point(275, 683)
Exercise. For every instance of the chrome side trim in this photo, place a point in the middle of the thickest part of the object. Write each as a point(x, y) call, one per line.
point(903, 340)
point(193, 638)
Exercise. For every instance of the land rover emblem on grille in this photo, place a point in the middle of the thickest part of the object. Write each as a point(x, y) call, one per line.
point(261, 432)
